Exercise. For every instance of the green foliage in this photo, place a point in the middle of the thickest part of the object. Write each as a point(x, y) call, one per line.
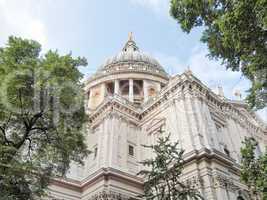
point(42, 118)
point(163, 173)
point(254, 169)
point(236, 32)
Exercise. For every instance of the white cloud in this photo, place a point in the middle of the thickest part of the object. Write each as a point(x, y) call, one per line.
point(214, 74)
point(21, 18)
point(158, 6)
point(210, 72)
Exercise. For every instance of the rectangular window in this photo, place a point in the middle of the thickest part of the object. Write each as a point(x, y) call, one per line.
point(131, 150)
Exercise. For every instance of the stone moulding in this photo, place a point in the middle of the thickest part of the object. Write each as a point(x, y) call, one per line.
point(109, 195)
point(107, 174)
point(223, 181)
point(129, 67)
point(182, 84)
point(219, 179)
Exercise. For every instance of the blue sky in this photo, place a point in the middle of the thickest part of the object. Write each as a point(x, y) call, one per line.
point(98, 29)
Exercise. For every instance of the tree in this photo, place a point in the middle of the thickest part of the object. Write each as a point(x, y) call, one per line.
point(163, 173)
point(254, 169)
point(236, 32)
point(42, 118)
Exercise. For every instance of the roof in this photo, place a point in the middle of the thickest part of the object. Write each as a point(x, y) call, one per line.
point(130, 59)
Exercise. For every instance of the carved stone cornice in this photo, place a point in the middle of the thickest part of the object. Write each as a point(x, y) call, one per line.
point(126, 75)
point(225, 182)
point(177, 83)
point(129, 67)
point(219, 107)
point(212, 156)
point(114, 104)
point(227, 107)
point(108, 195)
point(184, 84)
point(107, 174)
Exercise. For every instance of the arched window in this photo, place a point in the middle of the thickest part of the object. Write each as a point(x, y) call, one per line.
point(138, 87)
point(110, 88)
point(124, 87)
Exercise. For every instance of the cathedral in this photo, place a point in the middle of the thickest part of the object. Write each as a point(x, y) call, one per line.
point(128, 100)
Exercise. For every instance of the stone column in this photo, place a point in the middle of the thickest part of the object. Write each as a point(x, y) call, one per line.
point(116, 86)
point(89, 100)
point(158, 87)
point(203, 129)
point(103, 90)
point(131, 95)
point(112, 156)
point(221, 193)
point(145, 90)
point(233, 137)
point(210, 138)
point(184, 125)
point(192, 122)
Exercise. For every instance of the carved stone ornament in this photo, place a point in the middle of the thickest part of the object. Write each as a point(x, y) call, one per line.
point(224, 182)
point(109, 195)
point(195, 182)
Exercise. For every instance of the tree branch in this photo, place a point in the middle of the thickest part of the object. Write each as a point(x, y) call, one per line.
point(3, 131)
point(28, 128)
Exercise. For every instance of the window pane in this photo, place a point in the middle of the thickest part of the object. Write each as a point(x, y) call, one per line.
point(131, 150)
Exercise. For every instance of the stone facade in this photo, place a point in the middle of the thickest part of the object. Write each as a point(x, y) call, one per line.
point(129, 99)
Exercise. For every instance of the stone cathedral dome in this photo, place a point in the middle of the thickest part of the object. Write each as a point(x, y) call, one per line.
point(131, 74)
point(131, 59)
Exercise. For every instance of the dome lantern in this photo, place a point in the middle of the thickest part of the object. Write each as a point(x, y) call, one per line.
point(130, 44)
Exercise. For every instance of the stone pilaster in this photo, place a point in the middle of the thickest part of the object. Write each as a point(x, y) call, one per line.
point(103, 90)
point(203, 128)
point(186, 137)
point(145, 91)
point(131, 95)
point(116, 86)
point(193, 123)
point(158, 87)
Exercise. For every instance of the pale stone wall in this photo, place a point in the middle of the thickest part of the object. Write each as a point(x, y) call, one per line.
point(112, 138)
